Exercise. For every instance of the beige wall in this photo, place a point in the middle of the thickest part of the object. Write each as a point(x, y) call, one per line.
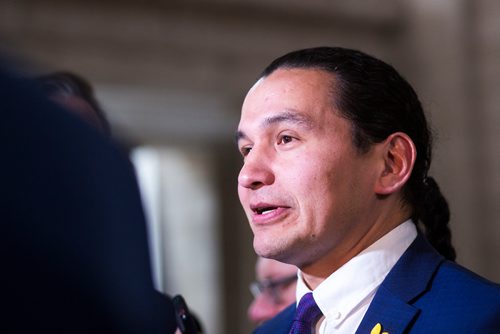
point(171, 73)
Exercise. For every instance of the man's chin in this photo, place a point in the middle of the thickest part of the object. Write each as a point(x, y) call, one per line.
point(270, 250)
point(265, 249)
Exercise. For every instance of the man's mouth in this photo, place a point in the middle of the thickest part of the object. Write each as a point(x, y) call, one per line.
point(264, 210)
point(266, 213)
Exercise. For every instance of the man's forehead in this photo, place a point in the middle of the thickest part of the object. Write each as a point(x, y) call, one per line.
point(293, 90)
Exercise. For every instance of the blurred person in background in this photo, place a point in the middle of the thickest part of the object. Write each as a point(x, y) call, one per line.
point(273, 290)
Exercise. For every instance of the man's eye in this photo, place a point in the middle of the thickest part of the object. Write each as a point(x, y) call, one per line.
point(285, 139)
point(245, 150)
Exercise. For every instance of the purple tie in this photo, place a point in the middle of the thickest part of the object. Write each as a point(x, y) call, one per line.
point(306, 315)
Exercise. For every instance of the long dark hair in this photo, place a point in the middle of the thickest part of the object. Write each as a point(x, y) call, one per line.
point(378, 101)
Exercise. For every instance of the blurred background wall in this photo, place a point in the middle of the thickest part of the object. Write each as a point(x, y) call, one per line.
point(171, 76)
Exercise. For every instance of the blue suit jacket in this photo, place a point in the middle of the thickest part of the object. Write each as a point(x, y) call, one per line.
point(423, 293)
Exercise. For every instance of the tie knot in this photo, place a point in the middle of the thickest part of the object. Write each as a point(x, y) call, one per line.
point(306, 315)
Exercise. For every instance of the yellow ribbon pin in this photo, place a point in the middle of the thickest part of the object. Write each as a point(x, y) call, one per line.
point(378, 329)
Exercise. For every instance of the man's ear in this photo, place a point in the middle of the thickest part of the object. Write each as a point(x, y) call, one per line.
point(399, 154)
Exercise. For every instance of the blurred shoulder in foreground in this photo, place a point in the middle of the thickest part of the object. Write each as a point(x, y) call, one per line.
point(74, 242)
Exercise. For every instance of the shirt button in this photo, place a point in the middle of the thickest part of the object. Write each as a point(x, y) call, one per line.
point(336, 315)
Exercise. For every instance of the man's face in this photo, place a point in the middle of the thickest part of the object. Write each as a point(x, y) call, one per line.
point(305, 189)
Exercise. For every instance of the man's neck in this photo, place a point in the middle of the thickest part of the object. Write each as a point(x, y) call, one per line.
point(315, 273)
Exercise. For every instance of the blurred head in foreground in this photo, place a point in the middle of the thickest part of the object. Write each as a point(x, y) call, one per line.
point(74, 93)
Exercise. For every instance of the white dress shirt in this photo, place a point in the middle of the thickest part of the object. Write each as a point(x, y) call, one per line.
point(345, 295)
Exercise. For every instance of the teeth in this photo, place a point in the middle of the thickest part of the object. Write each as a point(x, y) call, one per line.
point(264, 211)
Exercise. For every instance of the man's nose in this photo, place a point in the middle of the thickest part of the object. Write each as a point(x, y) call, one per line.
point(256, 171)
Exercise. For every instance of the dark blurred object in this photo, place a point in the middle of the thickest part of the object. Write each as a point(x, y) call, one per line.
point(73, 92)
point(186, 322)
point(74, 249)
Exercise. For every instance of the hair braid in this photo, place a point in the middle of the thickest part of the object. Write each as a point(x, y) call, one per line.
point(434, 214)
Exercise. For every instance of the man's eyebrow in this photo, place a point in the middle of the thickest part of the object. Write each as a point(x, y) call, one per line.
point(289, 116)
point(239, 135)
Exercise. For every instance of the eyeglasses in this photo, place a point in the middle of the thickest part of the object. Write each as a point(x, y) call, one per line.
point(272, 288)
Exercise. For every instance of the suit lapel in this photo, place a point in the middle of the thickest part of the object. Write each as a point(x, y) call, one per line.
point(410, 277)
point(388, 310)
